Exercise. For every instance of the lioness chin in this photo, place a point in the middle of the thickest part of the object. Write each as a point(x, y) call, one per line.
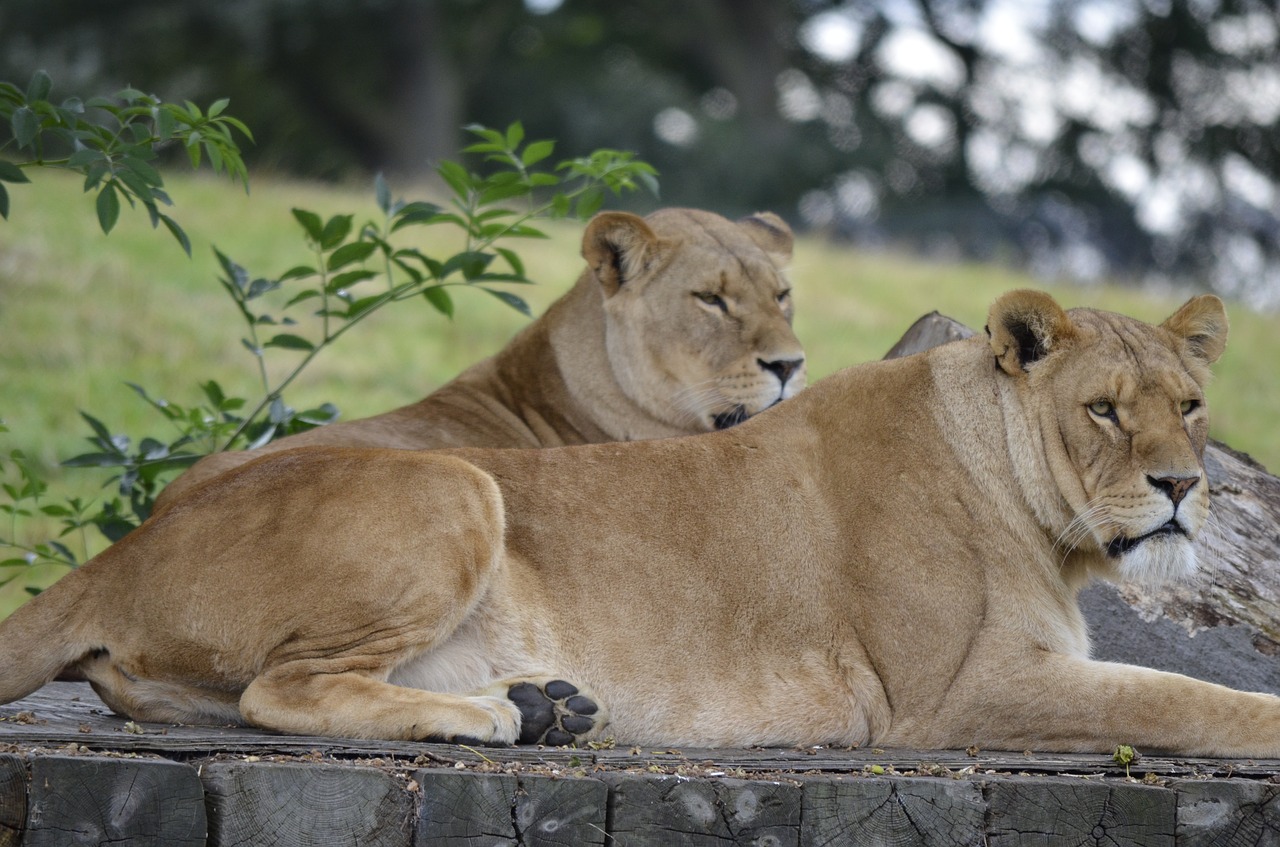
point(890, 558)
point(681, 323)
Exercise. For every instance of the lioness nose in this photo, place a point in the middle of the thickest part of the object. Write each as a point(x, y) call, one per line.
point(783, 368)
point(1174, 486)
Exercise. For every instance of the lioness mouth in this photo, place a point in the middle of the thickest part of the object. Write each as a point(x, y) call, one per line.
point(1122, 544)
point(733, 417)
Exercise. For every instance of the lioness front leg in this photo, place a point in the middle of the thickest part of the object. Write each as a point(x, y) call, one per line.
point(299, 700)
point(1065, 703)
point(350, 704)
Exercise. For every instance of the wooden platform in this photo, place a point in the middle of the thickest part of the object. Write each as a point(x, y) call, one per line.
point(71, 773)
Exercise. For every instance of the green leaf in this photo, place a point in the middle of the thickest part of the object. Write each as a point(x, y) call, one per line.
point(142, 169)
point(346, 279)
point(177, 232)
point(382, 194)
point(297, 272)
point(217, 107)
point(335, 230)
point(589, 202)
point(536, 152)
point(515, 134)
point(9, 172)
point(417, 212)
point(310, 223)
point(356, 251)
point(454, 174)
point(513, 259)
point(502, 192)
point(471, 263)
point(364, 304)
point(490, 135)
point(440, 299)
point(193, 149)
point(38, 88)
point(166, 124)
point(511, 300)
point(4, 202)
point(95, 460)
point(303, 295)
point(25, 125)
point(87, 156)
point(108, 207)
point(290, 342)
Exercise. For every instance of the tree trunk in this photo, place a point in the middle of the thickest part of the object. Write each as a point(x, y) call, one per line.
point(1223, 624)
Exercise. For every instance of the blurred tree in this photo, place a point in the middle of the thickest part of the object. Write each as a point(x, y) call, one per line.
point(1084, 137)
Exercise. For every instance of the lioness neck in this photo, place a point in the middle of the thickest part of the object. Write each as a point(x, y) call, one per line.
point(595, 404)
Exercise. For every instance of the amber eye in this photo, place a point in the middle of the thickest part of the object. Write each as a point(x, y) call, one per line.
point(1189, 406)
point(712, 300)
point(1103, 408)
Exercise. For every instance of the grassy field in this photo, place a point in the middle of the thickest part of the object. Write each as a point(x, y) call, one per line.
point(80, 313)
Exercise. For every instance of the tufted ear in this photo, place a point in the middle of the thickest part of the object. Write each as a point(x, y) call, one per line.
point(1202, 323)
point(771, 234)
point(618, 245)
point(1024, 326)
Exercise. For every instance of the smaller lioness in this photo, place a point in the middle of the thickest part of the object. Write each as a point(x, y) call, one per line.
point(680, 324)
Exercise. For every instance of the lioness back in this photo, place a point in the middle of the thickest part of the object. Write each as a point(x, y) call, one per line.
point(680, 324)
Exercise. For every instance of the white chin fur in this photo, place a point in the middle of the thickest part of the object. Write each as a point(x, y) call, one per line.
point(1159, 560)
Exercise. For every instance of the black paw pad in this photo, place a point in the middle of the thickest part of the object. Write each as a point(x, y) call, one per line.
point(554, 713)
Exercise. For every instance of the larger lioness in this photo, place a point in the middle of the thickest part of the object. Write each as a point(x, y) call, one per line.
point(681, 323)
point(890, 558)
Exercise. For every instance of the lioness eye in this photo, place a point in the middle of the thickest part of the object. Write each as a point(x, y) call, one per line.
point(1102, 408)
point(1189, 406)
point(782, 297)
point(712, 300)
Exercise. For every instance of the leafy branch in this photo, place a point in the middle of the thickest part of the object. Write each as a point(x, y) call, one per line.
point(114, 141)
point(351, 272)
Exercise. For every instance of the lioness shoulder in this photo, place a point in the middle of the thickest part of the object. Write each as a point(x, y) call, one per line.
point(681, 323)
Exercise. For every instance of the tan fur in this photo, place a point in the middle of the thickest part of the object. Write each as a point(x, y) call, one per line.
point(630, 352)
point(890, 558)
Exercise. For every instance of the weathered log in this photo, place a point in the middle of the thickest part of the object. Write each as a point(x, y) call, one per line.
point(294, 803)
point(535, 811)
point(900, 811)
point(92, 800)
point(13, 800)
point(1222, 625)
point(1076, 811)
point(657, 811)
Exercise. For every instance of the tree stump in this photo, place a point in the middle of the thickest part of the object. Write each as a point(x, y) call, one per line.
point(1223, 624)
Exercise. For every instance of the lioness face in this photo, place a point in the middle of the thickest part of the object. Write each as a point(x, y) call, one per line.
point(698, 314)
point(1128, 406)
point(1123, 423)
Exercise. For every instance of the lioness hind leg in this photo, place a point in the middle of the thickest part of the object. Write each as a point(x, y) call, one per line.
point(552, 711)
point(354, 705)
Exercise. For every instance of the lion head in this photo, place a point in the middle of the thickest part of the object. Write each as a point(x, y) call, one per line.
point(697, 313)
point(1120, 411)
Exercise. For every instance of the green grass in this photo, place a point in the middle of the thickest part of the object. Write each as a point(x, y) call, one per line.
point(81, 313)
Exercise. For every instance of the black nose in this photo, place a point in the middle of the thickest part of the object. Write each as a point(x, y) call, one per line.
point(783, 368)
point(1176, 487)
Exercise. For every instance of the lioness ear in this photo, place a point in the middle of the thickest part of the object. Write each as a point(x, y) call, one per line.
point(1024, 326)
point(617, 245)
point(771, 234)
point(1202, 322)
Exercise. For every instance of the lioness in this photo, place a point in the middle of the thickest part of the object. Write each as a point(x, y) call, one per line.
point(681, 323)
point(890, 558)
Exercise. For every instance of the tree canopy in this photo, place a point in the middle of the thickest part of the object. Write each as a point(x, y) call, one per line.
point(1132, 138)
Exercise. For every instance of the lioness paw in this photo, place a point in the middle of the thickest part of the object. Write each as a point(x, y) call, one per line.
point(488, 720)
point(554, 712)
